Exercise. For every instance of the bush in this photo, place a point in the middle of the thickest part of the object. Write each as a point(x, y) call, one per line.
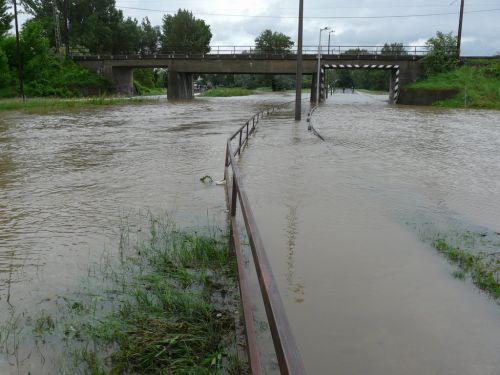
point(45, 73)
point(442, 56)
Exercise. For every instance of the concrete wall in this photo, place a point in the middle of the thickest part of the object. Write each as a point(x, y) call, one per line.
point(425, 96)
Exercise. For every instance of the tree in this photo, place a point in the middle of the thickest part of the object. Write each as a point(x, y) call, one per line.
point(184, 33)
point(442, 54)
point(95, 25)
point(127, 37)
point(394, 49)
point(5, 18)
point(273, 42)
point(150, 37)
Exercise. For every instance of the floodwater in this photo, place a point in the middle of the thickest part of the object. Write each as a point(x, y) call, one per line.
point(347, 223)
point(69, 180)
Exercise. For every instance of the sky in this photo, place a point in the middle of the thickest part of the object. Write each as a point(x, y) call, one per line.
point(235, 22)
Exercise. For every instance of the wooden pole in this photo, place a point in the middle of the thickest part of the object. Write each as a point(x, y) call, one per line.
point(459, 38)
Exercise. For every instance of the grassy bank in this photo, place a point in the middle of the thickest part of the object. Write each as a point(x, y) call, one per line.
point(481, 80)
point(164, 304)
point(373, 92)
point(44, 104)
point(482, 268)
point(227, 91)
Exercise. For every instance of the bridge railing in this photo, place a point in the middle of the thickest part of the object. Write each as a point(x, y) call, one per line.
point(180, 52)
point(287, 353)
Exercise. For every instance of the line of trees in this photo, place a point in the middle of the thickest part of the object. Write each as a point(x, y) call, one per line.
point(46, 73)
point(97, 27)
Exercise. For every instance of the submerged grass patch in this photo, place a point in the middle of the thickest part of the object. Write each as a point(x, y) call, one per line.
point(43, 104)
point(483, 268)
point(227, 91)
point(176, 307)
point(165, 303)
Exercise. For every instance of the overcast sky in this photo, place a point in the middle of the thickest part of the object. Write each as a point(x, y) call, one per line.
point(235, 22)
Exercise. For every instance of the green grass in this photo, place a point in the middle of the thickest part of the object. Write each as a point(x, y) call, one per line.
point(164, 303)
point(43, 104)
point(482, 82)
point(373, 92)
point(483, 269)
point(172, 318)
point(227, 91)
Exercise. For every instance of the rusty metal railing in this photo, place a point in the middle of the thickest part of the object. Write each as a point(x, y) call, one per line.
point(288, 356)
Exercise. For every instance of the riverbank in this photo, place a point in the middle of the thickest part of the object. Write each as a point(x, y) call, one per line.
point(473, 86)
point(44, 104)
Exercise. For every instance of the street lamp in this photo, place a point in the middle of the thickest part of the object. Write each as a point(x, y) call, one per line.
point(319, 63)
point(330, 33)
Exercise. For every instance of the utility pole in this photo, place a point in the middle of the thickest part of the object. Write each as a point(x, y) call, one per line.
point(298, 78)
point(459, 38)
point(19, 56)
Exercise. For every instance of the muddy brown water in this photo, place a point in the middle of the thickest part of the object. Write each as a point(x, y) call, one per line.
point(347, 222)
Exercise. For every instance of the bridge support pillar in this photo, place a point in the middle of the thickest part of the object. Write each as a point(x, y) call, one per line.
point(123, 78)
point(392, 80)
point(322, 88)
point(180, 86)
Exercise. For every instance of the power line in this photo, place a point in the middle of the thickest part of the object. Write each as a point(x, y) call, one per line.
point(317, 17)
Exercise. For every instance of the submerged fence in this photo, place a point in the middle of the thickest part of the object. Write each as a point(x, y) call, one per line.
point(288, 356)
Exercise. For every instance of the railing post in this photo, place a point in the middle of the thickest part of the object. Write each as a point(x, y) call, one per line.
point(239, 148)
point(226, 164)
point(234, 196)
point(247, 130)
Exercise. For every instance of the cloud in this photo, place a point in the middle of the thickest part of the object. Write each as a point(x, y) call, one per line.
point(480, 30)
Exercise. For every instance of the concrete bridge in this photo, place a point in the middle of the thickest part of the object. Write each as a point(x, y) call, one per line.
point(181, 67)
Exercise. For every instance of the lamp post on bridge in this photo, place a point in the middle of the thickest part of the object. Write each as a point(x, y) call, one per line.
point(319, 63)
point(330, 33)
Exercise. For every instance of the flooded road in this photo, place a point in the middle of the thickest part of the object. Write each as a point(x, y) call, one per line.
point(347, 223)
